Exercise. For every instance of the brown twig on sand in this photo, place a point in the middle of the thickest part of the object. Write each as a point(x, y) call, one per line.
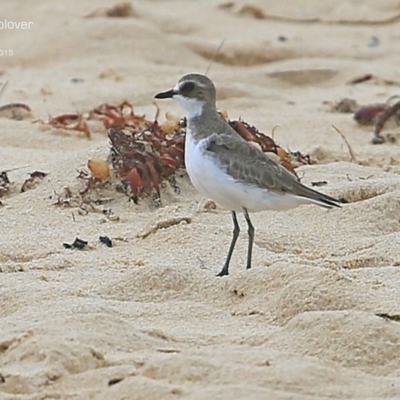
point(319, 183)
point(163, 225)
point(3, 87)
point(168, 350)
point(353, 156)
point(120, 10)
point(360, 79)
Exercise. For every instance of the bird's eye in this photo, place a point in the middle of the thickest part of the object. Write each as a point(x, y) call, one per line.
point(187, 87)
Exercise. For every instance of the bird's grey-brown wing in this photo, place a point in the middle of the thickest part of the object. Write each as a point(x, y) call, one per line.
point(248, 164)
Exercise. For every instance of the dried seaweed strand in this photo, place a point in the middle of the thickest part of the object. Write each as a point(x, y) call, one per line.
point(164, 224)
point(381, 120)
point(353, 156)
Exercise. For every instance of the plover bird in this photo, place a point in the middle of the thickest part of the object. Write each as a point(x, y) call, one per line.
point(224, 167)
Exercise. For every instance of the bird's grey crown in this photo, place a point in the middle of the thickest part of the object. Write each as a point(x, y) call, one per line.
point(196, 86)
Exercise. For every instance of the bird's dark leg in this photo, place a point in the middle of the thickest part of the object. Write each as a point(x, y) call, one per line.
point(236, 230)
point(250, 231)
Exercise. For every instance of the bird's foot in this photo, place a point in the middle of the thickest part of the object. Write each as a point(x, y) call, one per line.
point(224, 271)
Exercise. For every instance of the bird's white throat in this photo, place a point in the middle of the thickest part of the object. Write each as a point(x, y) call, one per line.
point(193, 107)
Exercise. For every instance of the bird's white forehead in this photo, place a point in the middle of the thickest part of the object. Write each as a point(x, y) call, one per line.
point(181, 83)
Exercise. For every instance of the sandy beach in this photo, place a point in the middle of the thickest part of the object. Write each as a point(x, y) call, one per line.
point(317, 317)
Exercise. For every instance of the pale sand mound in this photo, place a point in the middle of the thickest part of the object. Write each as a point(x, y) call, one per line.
point(317, 316)
point(374, 344)
point(332, 11)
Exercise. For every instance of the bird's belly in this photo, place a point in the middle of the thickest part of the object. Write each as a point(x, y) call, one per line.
point(214, 183)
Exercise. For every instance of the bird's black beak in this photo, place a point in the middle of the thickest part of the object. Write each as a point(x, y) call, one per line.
point(166, 95)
